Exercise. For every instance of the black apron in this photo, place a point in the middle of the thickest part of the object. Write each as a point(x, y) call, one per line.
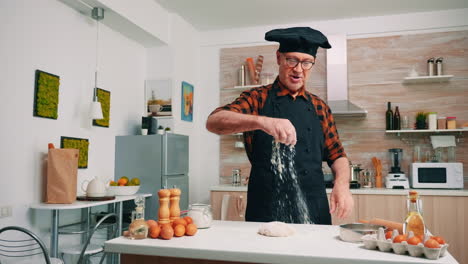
point(265, 191)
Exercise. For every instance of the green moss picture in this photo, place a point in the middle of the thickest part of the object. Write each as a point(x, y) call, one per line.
point(46, 95)
point(104, 99)
point(81, 144)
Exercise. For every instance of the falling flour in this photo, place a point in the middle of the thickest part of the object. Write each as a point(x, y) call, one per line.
point(289, 204)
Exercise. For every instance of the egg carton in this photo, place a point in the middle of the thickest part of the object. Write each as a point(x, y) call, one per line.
point(371, 242)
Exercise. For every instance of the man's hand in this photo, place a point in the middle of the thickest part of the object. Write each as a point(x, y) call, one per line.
point(341, 201)
point(281, 129)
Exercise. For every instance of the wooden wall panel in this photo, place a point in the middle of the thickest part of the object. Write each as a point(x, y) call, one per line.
point(376, 68)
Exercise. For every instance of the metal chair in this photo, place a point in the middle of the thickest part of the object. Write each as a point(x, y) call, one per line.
point(18, 242)
point(92, 249)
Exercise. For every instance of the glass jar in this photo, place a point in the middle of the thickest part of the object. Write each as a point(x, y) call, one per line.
point(201, 214)
point(432, 117)
point(441, 123)
point(451, 122)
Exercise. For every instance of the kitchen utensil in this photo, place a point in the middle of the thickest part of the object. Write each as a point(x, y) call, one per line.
point(396, 179)
point(94, 188)
point(355, 231)
point(386, 223)
point(378, 172)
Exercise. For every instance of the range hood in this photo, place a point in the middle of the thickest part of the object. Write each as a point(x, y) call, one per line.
point(337, 80)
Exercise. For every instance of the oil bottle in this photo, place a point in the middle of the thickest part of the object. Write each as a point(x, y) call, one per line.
point(138, 228)
point(414, 220)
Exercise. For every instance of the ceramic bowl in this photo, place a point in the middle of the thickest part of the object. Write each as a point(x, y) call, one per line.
point(122, 190)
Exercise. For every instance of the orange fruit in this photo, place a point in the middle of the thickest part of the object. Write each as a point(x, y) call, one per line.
point(166, 232)
point(179, 221)
point(439, 239)
point(388, 234)
point(188, 219)
point(414, 240)
point(191, 229)
point(399, 239)
point(179, 230)
point(122, 182)
point(151, 223)
point(154, 231)
point(432, 243)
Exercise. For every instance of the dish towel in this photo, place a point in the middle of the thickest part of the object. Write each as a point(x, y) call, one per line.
point(442, 141)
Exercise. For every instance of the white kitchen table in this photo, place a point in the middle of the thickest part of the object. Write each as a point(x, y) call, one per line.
point(55, 208)
point(239, 242)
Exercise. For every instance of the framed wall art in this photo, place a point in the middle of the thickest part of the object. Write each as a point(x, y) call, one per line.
point(46, 95)
point(187, 102)
point(158, 97)
point(82, 144)
point(104, 98)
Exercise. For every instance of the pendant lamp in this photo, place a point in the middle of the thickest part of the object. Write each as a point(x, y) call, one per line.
point(96, 109)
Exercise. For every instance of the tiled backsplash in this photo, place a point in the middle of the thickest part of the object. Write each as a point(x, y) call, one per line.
point(376, 68)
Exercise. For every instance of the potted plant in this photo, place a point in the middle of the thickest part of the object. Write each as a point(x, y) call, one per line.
point(421, 122)
point(167, 130)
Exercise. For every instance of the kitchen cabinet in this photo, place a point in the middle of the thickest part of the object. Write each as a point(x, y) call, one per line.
point(234, 205)
point(352, 218)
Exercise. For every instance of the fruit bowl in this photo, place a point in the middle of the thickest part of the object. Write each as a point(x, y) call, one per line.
point(122, 190)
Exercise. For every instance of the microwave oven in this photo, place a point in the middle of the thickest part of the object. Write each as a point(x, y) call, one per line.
point(436, 175)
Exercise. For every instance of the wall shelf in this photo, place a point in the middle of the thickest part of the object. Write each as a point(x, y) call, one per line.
point(398, 132)
point(427, 79)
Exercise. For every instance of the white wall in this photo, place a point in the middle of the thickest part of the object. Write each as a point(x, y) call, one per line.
point(50, 36)
point(213, 41)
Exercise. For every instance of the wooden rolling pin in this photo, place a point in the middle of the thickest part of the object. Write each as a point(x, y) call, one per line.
point(389, 224)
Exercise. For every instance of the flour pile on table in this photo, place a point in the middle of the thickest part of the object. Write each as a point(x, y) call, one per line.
point(276, 229)
point(289, 204)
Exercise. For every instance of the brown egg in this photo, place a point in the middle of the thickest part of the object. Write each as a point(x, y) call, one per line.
point(126, 233)
point(179, 221)
point(154, 231)
point(414, 240)
point(191, 229)
point(439, 239)
point(167, 232)
point(179, 230)
point(399, 239)
point(432, 243)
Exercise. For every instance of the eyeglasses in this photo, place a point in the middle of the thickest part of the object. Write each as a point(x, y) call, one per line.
point(306, 65)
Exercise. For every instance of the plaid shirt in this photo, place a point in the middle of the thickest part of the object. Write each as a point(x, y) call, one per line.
point(253, 100)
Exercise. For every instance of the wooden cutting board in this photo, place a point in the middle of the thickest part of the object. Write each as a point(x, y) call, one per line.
point(87, 198)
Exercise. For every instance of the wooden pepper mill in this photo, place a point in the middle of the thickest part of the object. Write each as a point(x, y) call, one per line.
point(175, 208)
point(164, 213)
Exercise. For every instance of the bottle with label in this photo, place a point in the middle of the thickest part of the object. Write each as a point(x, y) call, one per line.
point(414, 220)
point(396, 119)
point(432, 117)
point(389, 117)
point(138, 228)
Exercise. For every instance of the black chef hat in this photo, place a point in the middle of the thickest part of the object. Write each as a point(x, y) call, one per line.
point(298, 39)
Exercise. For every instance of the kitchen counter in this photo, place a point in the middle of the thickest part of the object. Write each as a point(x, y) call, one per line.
point(239, 242)
point(434, 192)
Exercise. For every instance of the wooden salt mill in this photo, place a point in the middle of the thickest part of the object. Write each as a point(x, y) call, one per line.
point(175, 208)
point(164, 213)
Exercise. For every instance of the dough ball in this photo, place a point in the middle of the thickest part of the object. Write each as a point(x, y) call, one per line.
point(276, 229)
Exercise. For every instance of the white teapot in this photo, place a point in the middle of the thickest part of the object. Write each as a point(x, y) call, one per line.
point(94, 188)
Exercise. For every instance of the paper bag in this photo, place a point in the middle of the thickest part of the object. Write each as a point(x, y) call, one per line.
point(61, 179)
